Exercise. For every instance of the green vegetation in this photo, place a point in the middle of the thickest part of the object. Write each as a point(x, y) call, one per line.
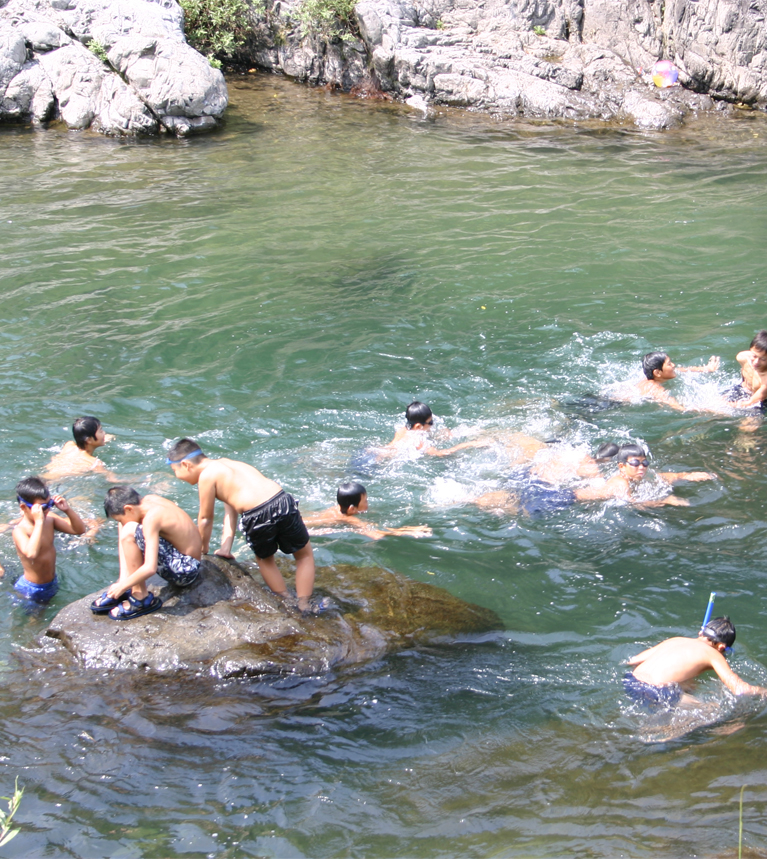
point(328, 19)
point(539, 31)
point(97, 49)
point(6, 833)
point(215, 28)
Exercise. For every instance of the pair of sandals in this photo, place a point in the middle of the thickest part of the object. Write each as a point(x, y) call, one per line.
point(136, 608)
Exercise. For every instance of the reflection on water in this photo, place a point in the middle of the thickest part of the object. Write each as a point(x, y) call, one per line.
point(281, 290)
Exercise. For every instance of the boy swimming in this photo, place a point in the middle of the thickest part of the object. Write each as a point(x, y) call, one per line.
point(78, 456)
point(663, 673)
point(154, 536)
point(352, 498)
point(269, 516)
point(658, 369)
point(752, 389)
point(33, 537)
point(419, 422)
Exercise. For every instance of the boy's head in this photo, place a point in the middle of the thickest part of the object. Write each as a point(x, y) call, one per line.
point(418, 415)
point(184, 458)
point(720, 630)
point(117, 499)
point(632, 461)
point(657, 366)
point(352, 494)
point(606, 451)
point(759, 351)
point(33, 490)
point(86, 429)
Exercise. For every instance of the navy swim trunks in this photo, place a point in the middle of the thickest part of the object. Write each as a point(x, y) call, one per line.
point(739, 392)
point(35, 592)
point(649, 695)
point(275, 524)
point(174, 566)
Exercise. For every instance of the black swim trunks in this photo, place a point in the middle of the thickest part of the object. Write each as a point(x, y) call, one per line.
point(172, 565)
point(649, 695)
point(740, 392)
point(275, 524)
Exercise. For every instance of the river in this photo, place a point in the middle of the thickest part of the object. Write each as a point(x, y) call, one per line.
point(281, 290)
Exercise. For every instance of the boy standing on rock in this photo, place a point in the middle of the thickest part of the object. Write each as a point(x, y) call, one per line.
point(269, 516)
point(155, 536)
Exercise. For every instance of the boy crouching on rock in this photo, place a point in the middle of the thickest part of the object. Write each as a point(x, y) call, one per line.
point(155, 536)
point(33, 538)
point(269, 516)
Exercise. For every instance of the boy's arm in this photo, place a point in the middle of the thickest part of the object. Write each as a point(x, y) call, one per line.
point(28, 546)
point(694, 476)
point(641, 657)
point(615, 487)
point(227, 532)
point(731, 679)
point(433, 451)
point(206, 488)
point(711, 367)
point(759, 395)
point(411, 531)
point(149, 567)
point(73, 524)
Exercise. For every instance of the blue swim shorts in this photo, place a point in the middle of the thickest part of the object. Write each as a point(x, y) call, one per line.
point(649, 695)
point(35, 592)
point(173, 566)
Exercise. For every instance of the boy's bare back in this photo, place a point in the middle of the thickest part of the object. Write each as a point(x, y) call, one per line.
point(675, 660)
point(71, 460)
point(171, 522)
point(237, 484)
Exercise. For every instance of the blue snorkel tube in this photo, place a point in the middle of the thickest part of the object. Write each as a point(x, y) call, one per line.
point(709, 610)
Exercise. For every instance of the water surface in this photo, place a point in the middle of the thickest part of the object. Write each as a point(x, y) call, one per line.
point(281, 290)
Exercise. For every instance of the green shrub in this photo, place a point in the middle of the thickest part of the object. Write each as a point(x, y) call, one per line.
point(97, 49)
point(328, 19)
point(539, 31)
point(215, 28)
point(6, 833)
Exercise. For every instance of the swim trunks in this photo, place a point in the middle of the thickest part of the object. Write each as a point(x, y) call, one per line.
point(174, 566)
point(649, 695)
point(35, 592)
point(537, 497)
point(275, 524)
point(740, 392)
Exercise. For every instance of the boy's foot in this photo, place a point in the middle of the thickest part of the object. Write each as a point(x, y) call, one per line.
point(136, 607)
point(105, 603)
point(314, 608)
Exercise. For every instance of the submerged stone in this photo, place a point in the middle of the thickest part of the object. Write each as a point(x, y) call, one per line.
point(229, 624)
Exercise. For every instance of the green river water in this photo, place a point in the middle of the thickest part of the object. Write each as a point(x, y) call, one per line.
point(281, 290)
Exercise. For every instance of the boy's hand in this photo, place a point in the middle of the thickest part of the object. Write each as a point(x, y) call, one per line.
point(415, 530)
point(713, 364)
point(676, 501)
point(37, 512)
point(61, 503)
point(700, 475)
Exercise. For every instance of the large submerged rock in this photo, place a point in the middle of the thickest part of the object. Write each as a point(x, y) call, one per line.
point(229, 625)
point(548, 59)
point(120, 68)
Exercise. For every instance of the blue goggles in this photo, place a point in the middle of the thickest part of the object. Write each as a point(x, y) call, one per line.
point(169, 461)
point(46, 505)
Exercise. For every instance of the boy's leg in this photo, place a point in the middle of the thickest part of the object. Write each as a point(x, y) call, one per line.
point(131, 558)
point(272, 575)
point(304, 575)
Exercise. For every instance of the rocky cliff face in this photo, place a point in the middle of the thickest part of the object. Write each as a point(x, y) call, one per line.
point(139, 75)
point(571, 59)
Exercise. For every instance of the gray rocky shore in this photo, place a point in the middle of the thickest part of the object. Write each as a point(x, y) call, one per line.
point(228, 624)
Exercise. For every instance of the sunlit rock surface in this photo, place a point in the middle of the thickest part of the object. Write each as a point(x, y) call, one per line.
point(546, 59)
point(145, 79)
point(228, 624)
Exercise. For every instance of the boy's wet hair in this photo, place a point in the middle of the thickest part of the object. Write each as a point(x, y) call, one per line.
point(760, 341)
point(181, 450)
point(653, 361)
point(32, 489)
point(606, 451)
point(117, 498)
point(417, 413)
point(626, 451)
point(84, 428)
point(720, 630)
point(350, 494)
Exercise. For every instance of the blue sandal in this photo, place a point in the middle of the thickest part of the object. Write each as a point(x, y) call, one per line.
point(105, 603)
point(149, 604)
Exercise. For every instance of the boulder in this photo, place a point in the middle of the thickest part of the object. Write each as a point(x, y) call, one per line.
point(119, 68)
point(228, 624)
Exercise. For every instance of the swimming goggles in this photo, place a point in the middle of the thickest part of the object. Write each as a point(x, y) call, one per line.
point(635, 462)
point(46, 505)
point(169, 461)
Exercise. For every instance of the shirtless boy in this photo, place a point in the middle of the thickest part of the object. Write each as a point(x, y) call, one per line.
point(154, 536)
point(352, 500)
point(752, 390)
point(664, 673)
point(419, 422)
point(658, 369)
point(269, 516)
point(632, 469)
point(33, 537)
point(78, 457)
